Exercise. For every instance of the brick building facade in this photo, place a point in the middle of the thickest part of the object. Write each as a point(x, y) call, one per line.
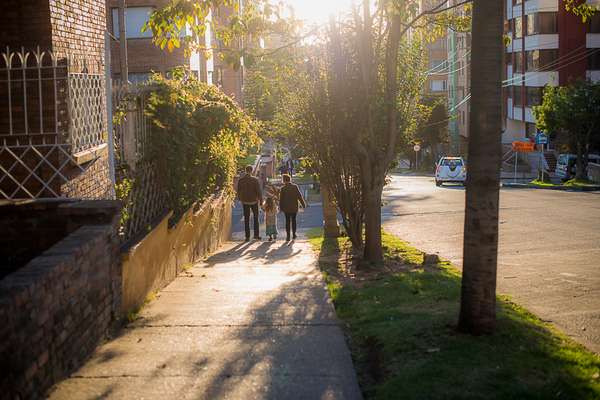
point(53, 121)
point(144, 57)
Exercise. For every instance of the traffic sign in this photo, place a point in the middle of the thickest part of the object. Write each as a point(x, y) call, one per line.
point(417, 147)
point(523, 147)
point(541, 138)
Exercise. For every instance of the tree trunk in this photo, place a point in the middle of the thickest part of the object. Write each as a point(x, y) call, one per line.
point(478, 296)
point(373, 251)
point(330, 223)
point(580, 173)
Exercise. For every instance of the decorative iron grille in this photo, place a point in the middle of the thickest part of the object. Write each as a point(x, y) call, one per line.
point(86, 111)
point(50, 109)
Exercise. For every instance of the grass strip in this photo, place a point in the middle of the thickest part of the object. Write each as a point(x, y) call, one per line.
point(400, 322)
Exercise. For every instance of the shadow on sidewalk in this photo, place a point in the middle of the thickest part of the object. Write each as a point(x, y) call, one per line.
point(269, 252)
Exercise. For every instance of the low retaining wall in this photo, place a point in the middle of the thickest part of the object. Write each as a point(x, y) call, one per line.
point(60, 305)
point(157, 259)
point(594, 172)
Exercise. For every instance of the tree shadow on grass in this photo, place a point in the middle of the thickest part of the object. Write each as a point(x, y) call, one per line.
point(405, 321)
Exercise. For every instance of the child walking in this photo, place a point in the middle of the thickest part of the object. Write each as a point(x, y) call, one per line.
point(270, 209)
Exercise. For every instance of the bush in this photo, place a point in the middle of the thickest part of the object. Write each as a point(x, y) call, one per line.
point(198, 133)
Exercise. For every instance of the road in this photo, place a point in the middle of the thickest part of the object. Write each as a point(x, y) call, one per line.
point(549, 255)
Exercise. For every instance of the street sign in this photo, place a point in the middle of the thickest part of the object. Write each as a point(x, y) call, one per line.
point(541, 138)
point(417, 147)
point(523, 147)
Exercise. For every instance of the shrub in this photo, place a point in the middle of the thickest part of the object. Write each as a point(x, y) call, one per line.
point(196, 137)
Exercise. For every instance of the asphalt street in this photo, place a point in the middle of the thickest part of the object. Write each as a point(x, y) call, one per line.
point(549, 252)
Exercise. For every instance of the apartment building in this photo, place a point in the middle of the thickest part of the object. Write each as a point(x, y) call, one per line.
point(548, 46)
point(437, 81)
point(459, 92)
point(145, 58)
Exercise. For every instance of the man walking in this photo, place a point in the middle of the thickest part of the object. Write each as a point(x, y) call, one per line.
point(289, 197)
point(250, 195)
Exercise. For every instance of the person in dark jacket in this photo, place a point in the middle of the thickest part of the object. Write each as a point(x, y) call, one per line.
point(289, 198)
point(250, 195)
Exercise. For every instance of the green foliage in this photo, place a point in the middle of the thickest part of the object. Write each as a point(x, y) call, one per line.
point(197, 135)
point(573, 109)
point(433, 127)
point(582, 9)
point(184, 23)
point(400, 323)
point(123, 190)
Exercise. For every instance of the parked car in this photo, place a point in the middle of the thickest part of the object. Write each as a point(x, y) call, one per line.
point(566, 166)
point(450, 169)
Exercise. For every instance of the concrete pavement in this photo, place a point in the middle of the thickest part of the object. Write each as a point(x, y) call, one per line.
point(549, 256)
point(252, 322)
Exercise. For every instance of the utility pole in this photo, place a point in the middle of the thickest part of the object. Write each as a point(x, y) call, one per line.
point(123, 44)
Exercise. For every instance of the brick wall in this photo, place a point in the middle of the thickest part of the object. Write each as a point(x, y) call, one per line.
point(73, 28)
point(93, 183)
point(142, 55)
point(25, 23)
point(78, 28)
point(56, 309)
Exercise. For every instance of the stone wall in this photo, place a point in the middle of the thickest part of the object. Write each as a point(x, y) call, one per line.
point(60, 305)
point(157, 259)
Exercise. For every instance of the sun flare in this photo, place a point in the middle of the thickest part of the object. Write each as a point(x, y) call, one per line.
point(318, 11)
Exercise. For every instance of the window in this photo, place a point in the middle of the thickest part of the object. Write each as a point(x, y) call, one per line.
point(594, 25)
point(438, 86)
point(451, 162)
point(438, 65)
point(594, 61)
point(534, 96)
point(518, 27)
point(542, 23)
point(517, 96)
point(135, 18)
point(519, 65)
point(541, 59)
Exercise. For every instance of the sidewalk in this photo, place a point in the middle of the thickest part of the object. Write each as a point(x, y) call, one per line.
point(252, 322)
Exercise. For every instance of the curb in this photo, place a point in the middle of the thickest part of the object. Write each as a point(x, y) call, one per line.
point(591, 188)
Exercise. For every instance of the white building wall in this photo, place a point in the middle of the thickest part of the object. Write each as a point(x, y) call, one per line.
point(533, 6)
point(515, 130)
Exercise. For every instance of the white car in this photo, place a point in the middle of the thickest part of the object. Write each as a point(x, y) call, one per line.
point(450, 169)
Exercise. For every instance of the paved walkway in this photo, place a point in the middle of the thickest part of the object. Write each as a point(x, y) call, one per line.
point(252, 322)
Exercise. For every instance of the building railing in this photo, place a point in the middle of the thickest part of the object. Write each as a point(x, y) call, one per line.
point(52, 109)
point(146, 202)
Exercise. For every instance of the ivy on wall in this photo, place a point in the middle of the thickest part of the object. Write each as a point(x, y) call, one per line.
point(197, 135)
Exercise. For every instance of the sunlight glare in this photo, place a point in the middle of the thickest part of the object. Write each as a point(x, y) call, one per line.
point(318, 11)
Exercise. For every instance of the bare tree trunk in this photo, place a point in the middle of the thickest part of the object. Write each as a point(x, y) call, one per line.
point(478, 297)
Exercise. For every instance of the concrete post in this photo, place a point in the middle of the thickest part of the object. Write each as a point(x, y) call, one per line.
point(331, 227)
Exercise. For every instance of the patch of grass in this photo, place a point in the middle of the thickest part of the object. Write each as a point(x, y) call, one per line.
point(579, 183)
point(401, 328)
point(541, 183)
point(573, 183)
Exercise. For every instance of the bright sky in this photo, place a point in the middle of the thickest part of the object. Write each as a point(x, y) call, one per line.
point(318, 11)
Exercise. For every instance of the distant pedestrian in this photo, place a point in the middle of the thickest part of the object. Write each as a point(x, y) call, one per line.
point(270, 209)
point(250, 195)
point(289, 198)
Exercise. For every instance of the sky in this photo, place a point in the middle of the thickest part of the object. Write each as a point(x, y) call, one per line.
point(318, 11)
